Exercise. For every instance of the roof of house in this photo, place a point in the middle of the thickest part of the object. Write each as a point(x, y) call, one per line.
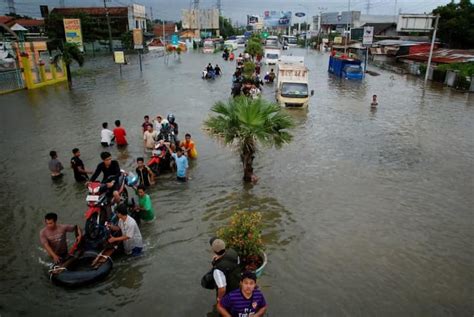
point(98, 11)
point(380, 27)
point(29, 22)
point(398, 43)
point(17, 27)
point(5, 19)
point(443, 56)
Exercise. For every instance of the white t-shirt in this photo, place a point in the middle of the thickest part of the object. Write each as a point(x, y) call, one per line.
point(157, 126)
point(130, 229)
point(150, 138)
point(219, 278)
point(106, 136)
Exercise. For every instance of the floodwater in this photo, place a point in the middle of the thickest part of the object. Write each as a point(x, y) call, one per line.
point(367, 213)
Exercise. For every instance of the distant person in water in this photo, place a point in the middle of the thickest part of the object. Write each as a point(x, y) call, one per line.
point(106, 135)
point(120, 134)
point(374, 101)
point(55, 166)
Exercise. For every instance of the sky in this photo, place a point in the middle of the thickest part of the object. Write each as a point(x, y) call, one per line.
point(237, 10)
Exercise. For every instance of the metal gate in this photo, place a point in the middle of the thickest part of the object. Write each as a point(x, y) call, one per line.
point(11, 80)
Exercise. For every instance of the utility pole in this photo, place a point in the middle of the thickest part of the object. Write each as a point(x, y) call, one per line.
point(219, 8)
point(368, 6)
point(431, 49)
point(11, 7)
point(347, 24)
point(111, 49)
point(151, 14)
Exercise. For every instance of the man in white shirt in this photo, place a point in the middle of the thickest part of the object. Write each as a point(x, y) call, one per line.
point(131, 236)
point(226, 264)
point(106, 135)
point(149, 138)
point(157, 123)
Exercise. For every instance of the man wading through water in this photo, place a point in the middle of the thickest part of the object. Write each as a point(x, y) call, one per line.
point(226, 268)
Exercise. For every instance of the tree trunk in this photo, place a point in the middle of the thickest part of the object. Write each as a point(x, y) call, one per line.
point(247, 161)
point(68, 72)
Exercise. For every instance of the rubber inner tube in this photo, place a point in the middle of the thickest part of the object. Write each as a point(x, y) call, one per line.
point(80, 273)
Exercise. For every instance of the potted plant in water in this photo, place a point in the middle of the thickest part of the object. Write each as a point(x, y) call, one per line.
point(244, 235)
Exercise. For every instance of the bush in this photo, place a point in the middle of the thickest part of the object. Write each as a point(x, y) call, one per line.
point(243, 234)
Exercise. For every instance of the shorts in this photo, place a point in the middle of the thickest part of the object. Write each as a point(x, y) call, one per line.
point(57, 177)
point(104, 144)
point(181, 179)
point(136, 251)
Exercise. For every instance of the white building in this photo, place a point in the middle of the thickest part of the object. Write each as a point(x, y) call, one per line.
point(137, 17)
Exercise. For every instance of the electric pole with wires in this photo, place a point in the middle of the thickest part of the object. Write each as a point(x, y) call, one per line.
point(111, 49)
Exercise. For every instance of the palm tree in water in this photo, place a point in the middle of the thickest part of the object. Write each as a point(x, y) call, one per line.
point(69, 54)
point(247, 122)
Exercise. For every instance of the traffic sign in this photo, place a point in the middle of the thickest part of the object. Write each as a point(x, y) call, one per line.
point(368, 35)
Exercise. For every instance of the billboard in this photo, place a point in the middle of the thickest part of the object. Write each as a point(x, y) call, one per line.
point(277, 18)
point(415, 23)
point(137, 39)
point(72, 32)
point(200, 19)
point(252, 19)
point(368, 36)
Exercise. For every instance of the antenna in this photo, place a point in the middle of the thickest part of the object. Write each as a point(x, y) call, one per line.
point(11, 6)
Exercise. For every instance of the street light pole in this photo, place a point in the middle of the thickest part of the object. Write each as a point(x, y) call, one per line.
point(431, 49)
point(347, 23)
point(108, 26)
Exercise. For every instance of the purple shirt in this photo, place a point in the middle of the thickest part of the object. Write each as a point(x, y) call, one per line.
point(238, 306)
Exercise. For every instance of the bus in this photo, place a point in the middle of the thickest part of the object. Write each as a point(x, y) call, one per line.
point(289, 40)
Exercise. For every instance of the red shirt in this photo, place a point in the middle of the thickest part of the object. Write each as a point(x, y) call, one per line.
point(120, 134)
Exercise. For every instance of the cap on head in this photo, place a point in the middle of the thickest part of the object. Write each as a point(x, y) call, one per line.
point(218, 246)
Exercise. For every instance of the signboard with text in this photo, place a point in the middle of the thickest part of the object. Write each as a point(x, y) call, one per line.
point(73, 33)
point(119, 57)
point(138, 39)
point(277, 18)
point(368, 36)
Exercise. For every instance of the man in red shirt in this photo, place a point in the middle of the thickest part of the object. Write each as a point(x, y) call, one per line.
point(120, 134)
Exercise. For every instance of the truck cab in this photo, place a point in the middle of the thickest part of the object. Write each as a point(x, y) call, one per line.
point(271, 56)
point(292, 82)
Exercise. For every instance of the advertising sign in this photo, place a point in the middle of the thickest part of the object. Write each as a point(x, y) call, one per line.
point(277, 18)
point(119, 57)
point(368, 35)
point(73, 33)
point(338, 40)
point(137, 39)
point(252, 19)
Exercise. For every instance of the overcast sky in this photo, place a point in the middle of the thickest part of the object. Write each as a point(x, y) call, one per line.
point(237, 10)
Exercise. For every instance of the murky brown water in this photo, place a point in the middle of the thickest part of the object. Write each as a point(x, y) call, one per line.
point(366, 213)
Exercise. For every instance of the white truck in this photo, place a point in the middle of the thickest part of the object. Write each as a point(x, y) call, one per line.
point(292, 82)
point(272, 55)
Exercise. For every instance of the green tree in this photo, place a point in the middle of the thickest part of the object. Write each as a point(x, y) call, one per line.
point(69, 54)
point(226, 28)
point(254, 47)
point(456, 24)
point(247, 122)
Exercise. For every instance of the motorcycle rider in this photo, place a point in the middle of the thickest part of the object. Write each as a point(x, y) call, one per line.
point(111, 172)
point(173, 125)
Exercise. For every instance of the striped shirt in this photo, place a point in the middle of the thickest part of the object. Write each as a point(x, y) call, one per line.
point(238, 306)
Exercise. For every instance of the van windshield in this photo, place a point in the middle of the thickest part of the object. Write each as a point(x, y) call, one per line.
point(294, 90)
point(272, 56)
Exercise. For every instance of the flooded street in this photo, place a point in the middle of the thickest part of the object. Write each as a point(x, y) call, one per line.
point(367, 213)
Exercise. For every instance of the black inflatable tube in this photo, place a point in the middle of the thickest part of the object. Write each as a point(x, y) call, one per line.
point(82, 274)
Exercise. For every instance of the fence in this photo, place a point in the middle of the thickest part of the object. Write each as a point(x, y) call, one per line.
point(11, 80)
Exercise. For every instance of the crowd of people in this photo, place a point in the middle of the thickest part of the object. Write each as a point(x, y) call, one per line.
point(211, 72)
point(250, 86)
point(160, 137)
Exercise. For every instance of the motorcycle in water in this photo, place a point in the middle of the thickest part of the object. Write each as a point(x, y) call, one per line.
point(99, 202)
point(160, 159)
